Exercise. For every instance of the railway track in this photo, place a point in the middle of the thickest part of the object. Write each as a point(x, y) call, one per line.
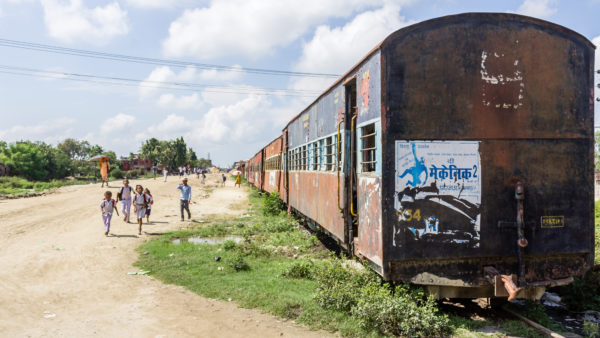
point(480, 310)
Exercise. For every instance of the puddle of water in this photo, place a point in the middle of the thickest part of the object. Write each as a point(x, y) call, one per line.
point(208, 240)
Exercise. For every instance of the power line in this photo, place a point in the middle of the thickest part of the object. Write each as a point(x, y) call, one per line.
point(152, 61)
point(4, 69)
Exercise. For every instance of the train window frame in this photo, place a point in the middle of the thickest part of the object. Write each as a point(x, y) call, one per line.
point(368, 148)
point(303, 157)
point(315, 156)
point(328, 153)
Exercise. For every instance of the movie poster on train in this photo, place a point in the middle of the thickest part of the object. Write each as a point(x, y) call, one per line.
point(438, 192)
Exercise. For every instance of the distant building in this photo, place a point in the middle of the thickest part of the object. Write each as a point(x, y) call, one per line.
point(137, 164)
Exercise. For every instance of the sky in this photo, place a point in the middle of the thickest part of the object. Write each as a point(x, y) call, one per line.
point(225, 111)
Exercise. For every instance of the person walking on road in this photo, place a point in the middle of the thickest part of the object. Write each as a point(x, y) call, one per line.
point(107, 206)
point(124, 196)
point(238, 180)
point(165, 172)
point(223, 178)
point(140, 202)
point(186, 197)
point(149, 204)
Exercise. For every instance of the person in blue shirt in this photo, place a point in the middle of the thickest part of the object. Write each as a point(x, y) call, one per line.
point(186, 197)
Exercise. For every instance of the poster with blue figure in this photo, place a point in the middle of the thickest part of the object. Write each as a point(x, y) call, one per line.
point(438, 192)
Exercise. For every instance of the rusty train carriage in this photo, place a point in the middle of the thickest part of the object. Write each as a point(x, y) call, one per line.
point(458, 154)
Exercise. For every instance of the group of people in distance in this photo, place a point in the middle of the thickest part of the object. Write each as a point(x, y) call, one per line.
point(183, 173)
point(142, 202)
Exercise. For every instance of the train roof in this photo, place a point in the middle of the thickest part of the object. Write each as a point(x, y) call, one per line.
point(445, 20)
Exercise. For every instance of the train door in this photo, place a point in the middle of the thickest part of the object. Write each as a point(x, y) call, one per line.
point(350, 148)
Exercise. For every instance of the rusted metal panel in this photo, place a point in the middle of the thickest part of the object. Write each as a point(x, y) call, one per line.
point(272, 178)
point(313, 194)
point(273, 148)
point(512, 96)
point(368, 98)
point(369, 238)
point(255, 170)
point(469, 272)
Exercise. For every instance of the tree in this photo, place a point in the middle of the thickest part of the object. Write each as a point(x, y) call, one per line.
point(192, 159)
point(166, 151)
point(25, 159)
point(95, 150)
point(54, 161)
point(76, 150)
point(180, 152)
point(204, 163)
point(150, 150)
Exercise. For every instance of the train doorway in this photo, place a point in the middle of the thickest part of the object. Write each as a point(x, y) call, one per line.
point(351, 180)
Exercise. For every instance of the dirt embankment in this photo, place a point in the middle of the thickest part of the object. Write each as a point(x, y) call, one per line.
point(60, 276)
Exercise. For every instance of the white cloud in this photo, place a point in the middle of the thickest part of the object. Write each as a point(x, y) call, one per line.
point(328, 50)
point(150, 86)
point(154, 4)
point(538, 8)
point(245, 119)
point(172, 126)
point(49, 131)
point(117, 124)
point(70, 21)
point(186, 102)
point(250, 27)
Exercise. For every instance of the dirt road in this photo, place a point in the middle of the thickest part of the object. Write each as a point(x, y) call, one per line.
point(61, 277)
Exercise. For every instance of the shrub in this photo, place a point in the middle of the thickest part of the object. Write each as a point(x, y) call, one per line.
point(299, 269)
point(238, 262)
point(398, 311)
point(250, 248)
point(280, 225)
point(391, 311)
point(591, 330)
point(272, 204)
point(229, 245)
point(117, 173)
point(337, 285)
point(584, 292)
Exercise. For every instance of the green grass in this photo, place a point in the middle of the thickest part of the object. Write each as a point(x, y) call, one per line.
point(262, 286)
point(18, 186)
point(279, 254)
point(269, 246)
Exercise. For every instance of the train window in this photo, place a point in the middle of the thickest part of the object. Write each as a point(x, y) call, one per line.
point(328, 153)
point(321, 153)
point(295, 159)
point(335, 152)
point(303, 158)
point(367, 148)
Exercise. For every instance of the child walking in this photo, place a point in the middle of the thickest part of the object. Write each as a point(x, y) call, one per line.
point(140, 201)
point(107, 206)
point(124, 196)
point(150, 202)
point(186, 197)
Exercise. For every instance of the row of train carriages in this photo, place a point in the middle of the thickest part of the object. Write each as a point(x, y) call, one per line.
point(458, 154)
